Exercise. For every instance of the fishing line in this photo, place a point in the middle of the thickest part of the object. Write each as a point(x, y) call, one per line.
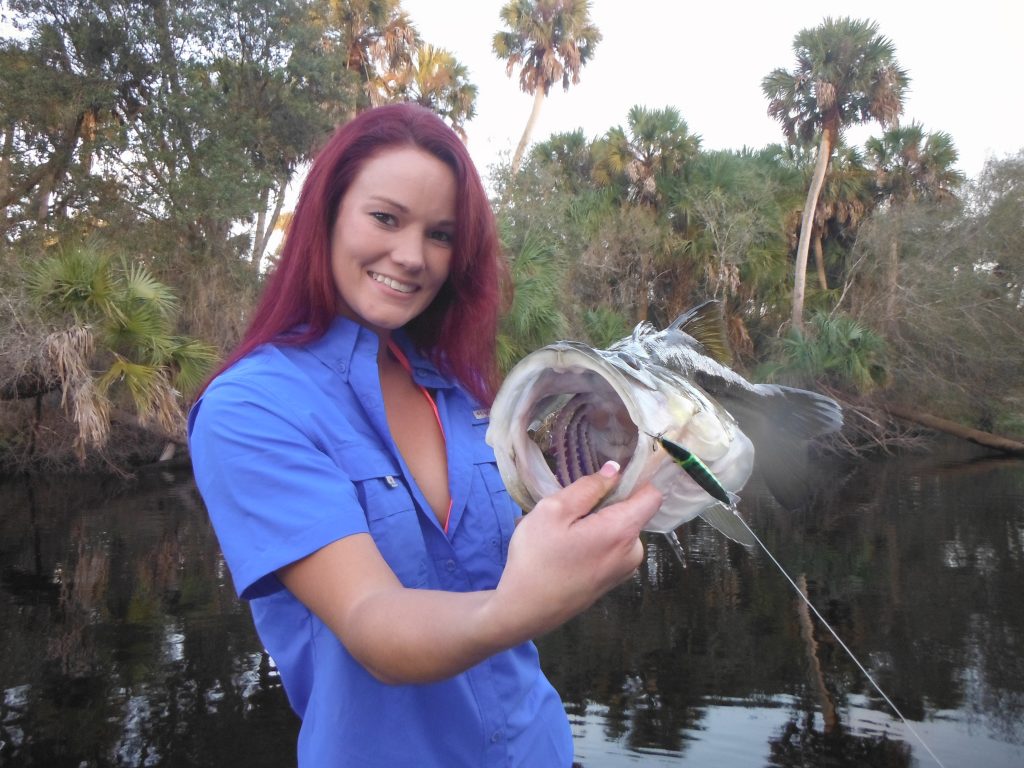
point(677, 547)
point(838, 639)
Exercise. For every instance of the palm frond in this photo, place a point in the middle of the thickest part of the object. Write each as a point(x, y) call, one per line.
point(75, 282)
point(192, 361)
point(139, 285)
point(835, 349)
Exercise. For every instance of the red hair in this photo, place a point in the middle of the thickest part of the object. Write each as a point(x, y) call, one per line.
point(458, 330)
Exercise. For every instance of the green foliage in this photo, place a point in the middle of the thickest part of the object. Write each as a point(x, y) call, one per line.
point(177, 128)
point(910, 165)
point(605, 326)
point(732, 205)
point(536, 316)
point(834, 350)
point(648, 154)
point(129, 317)
point(76, 282)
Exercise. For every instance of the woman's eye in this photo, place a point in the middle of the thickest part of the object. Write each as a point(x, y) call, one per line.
point(384, 218)
point(442, 236)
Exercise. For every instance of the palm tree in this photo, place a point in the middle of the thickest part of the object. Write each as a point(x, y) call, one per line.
point(910, 166)
point(378, 37)
point(846, 73)
point(112, 330)
point(550, 40)
point(653, 149)
point(435, 79)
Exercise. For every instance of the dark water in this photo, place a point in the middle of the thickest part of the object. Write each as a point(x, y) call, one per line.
point(122, 644)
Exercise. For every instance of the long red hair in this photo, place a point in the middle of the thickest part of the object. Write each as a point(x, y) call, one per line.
point(458, 330)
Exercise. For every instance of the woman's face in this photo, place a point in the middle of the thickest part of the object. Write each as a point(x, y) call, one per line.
point(391, 246)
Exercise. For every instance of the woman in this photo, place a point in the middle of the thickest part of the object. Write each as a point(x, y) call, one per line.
point(341, 455)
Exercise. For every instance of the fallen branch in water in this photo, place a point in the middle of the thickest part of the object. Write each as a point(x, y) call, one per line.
point(976, 436)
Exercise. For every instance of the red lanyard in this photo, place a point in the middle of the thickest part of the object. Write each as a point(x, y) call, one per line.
point(404, 362)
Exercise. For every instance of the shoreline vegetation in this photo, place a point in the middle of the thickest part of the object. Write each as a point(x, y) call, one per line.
point(145, 164)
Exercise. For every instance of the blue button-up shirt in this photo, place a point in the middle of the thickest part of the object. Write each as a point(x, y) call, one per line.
point(291, 450)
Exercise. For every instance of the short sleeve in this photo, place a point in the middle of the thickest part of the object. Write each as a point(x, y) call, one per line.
point(272, 493)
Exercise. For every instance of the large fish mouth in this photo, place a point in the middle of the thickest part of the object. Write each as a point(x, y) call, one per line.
point(580, 429)
point(560, 415)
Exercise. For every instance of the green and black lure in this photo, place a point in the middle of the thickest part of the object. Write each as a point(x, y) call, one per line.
point(696, 469)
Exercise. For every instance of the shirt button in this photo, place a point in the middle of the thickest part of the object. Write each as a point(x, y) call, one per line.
point(496, 737)
point(341, 367)
point(450, 565)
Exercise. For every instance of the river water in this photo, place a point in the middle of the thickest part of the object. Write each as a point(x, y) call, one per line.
point(123, 643)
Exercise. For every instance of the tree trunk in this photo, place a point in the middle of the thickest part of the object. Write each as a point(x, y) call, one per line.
point(264, 227)
point(645, 288)
point(42, 201)
point(257, 236)
point(976, 436)
point(819, 262)
point(517, 159)
point(806, 226)
point(892, 280)
point(29, 384)
point(5, 174)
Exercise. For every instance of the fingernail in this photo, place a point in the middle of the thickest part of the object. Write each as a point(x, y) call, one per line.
point(610, 469)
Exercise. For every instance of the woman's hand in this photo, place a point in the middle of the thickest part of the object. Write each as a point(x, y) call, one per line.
point(562, 557)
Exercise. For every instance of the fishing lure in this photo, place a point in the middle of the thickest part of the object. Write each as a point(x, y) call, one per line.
point(696, 469)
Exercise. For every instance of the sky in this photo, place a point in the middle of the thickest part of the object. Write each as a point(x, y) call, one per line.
point(707, 59)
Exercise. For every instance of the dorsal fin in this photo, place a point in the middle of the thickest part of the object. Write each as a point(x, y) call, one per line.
point(706, 324)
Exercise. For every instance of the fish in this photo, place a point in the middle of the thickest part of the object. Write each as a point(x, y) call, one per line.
point(648, 402)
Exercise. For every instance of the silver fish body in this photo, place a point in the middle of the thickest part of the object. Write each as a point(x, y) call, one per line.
point(565, 409)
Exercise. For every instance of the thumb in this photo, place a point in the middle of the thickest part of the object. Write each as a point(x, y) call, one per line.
point(579, 498)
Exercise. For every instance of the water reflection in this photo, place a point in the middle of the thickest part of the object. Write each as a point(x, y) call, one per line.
point(124, 645)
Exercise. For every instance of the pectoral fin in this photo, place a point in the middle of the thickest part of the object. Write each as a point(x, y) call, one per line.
point(727, 521)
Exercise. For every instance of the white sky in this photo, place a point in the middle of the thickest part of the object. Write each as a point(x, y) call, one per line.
point(707, 60)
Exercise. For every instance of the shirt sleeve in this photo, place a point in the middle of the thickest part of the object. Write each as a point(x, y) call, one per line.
point(273, 495)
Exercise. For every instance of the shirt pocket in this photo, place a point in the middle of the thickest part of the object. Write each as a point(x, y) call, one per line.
point(393, 520)
point(488, 479)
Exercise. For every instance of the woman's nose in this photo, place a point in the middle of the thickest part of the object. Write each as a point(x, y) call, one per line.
point(408, 252)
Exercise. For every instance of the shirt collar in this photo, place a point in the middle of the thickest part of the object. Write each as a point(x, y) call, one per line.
point(347, 343)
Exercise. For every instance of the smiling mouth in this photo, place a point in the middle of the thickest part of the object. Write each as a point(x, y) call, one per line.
point(392, 283)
